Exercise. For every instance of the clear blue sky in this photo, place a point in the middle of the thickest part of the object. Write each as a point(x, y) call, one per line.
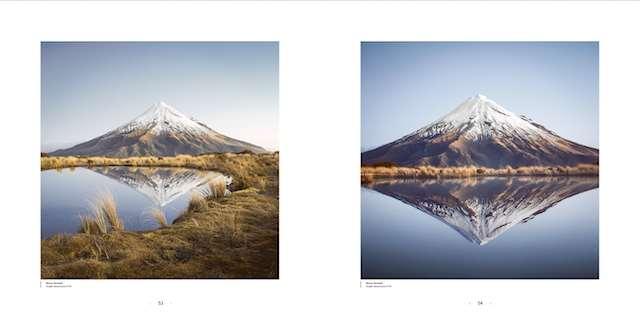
point(91, 88)
point(406, 86)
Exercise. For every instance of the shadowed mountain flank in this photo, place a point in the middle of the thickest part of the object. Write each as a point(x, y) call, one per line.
point(160, 131)
point(480, 132)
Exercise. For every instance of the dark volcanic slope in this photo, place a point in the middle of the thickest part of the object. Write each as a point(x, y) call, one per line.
point(160, 131)
point(480, 132)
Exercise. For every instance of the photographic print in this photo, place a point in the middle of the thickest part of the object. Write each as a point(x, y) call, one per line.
point(159, 160)
point(479, 160)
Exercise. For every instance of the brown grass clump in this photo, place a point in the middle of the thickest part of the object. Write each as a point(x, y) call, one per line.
point(159, 217)
point(90, 225)
point(366, 178)
point(215, 189)
point(198, 203)
point(106, 205)
point(369, 173)
point(105, 216)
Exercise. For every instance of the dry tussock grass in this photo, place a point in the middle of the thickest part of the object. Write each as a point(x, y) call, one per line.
point(369, 173)
point(235, 237)
point(197, 203)
point(105, 216)
point(159, 217)
point(247, 170)
point(215, 189)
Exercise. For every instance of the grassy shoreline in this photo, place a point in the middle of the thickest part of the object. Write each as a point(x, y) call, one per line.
point(232, 237)
point(371, 173)
point(247, 170)
point(220, 235)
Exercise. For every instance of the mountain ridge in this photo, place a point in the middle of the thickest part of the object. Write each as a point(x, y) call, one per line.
point(159, 131)
point(481, 132)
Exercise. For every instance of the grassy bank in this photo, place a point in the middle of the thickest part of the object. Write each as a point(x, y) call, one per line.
point(370, 173)
point(232, 236)
point(247, 170)
point(219, 235)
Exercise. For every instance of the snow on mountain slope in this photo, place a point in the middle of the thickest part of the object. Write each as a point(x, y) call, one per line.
point(162, 118)
point(481, 132)
point(479, 118)
point(160, 131)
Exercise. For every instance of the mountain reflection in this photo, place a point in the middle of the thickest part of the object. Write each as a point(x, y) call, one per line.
point(161, 185)
point(481, 209)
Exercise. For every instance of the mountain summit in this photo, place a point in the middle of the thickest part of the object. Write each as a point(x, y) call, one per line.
point(482, 133)
point(160, 131)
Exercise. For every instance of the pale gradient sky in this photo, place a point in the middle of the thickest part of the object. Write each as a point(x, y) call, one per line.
point(91, 88)
point(406, 86)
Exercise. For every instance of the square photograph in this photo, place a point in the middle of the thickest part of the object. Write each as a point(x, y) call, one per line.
point(479, 160)
point(159, 160)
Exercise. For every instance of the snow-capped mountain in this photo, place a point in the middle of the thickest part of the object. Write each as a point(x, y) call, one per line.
point(160, 131)
point(484, 208)
point(480, 132)
point(162, 185)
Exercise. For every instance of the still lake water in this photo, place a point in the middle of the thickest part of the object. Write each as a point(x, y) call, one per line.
point(480, 228)
point(67, 194)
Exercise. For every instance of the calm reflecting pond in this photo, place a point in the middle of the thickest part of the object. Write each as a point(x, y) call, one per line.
point(480, 228)
point(66, 194)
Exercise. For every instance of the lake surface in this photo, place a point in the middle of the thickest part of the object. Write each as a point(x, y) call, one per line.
point(67, 194)
point(480, 228)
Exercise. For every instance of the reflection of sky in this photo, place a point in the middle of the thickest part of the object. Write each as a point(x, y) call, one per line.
point(406, 86)
point(402, 242)
point(91, 88)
